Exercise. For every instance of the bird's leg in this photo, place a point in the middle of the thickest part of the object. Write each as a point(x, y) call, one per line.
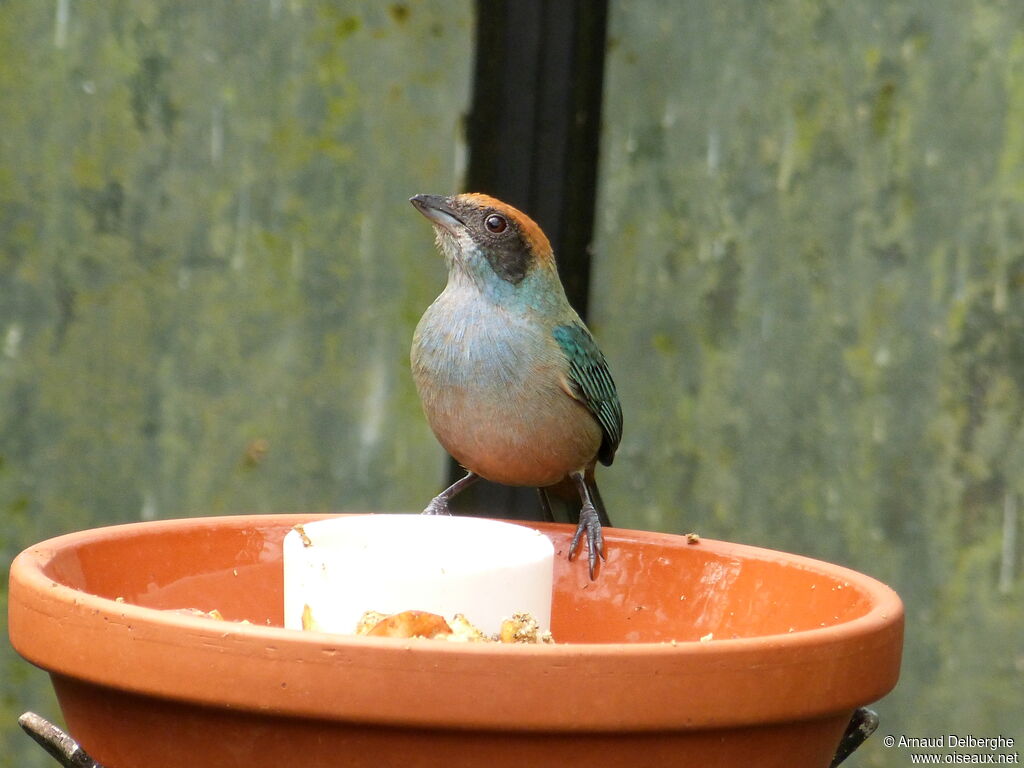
point(589, 524)
point(439, 504)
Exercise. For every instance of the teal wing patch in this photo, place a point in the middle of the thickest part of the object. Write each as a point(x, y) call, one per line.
point(592, 384)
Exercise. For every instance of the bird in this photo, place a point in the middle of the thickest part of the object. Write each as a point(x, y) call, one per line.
point(511, 380)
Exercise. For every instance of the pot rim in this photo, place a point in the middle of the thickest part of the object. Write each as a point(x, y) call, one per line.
point(589, 686)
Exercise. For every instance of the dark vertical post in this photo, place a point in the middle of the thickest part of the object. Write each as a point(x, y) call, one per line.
point(533, 135)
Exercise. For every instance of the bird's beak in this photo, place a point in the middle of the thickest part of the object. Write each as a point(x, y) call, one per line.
point(439, 210)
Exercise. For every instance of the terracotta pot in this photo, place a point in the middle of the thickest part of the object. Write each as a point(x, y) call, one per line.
point(709, 654)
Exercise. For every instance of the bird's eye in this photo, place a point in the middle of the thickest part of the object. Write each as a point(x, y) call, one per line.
point(496, 224)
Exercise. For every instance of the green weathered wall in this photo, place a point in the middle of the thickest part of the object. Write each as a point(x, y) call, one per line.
point(810, 286)
point(209, 270)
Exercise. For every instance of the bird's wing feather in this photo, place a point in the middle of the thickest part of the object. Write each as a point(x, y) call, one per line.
point(591, 383)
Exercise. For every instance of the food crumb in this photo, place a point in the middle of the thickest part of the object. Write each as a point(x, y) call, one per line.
point(199, 613)
point(463, 631)
point(693, 538)
point(308, 623)
point(521, 628)
point(409, 624)
point(368, 621)
point(306, 541)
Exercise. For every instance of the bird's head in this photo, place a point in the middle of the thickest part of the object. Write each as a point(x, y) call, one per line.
point(498, 248)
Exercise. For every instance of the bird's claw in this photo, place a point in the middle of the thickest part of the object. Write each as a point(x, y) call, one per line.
point(591, 525)
point(437, 506)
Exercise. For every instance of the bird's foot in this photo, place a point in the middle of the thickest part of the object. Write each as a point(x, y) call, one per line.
point(437, 506)
point(591, 526)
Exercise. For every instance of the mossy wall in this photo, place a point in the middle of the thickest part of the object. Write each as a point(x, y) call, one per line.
point(809, 283)
point(209, 270)
point(810, 286)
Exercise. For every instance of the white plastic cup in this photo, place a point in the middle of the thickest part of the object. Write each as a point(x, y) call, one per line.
point(484, 569)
